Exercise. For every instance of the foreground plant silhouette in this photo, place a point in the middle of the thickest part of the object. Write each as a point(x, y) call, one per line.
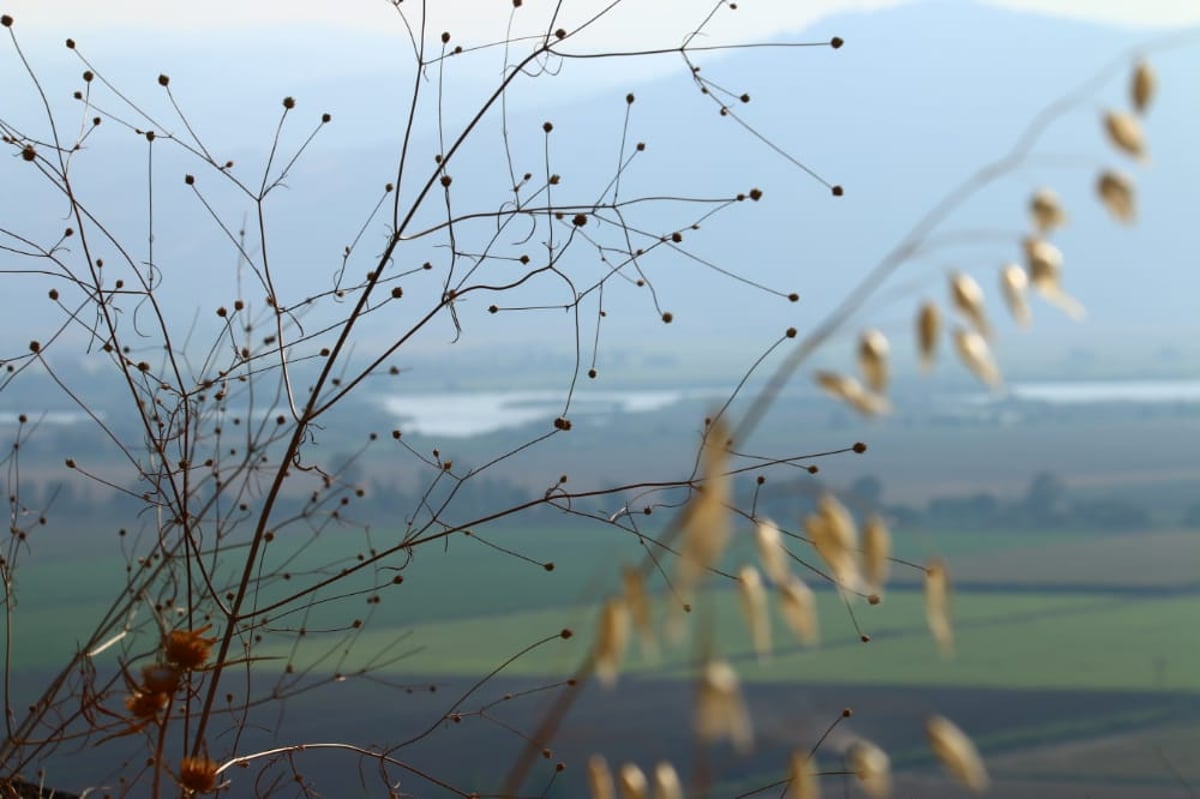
point(234, 491)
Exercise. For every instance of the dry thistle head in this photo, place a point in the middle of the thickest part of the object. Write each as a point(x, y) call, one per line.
point(1047, 211)
point(835, 537)
point(937, 605)
point(1014, 283)
point(929, 325)
point(188, 649)
point(632, 782)
point(600, 781)
point(611, 640)
point(752, 598)
point(706, 519)
point(975, 354)
point(161, 678)
point(967, 297)
point(873, 768)
point(666, 782)
point(957, 753)
point(771, 552)
point(1125, 133)
point(198, 774)
point(1141, 86)
point(802, 777)
point(1117, 194)
point(798, 607)
point(146, 704)
point(638, 601)
point(1045, 274)
point(872, 360)
point(720, 711)
point(851, 392)
point(877, 552)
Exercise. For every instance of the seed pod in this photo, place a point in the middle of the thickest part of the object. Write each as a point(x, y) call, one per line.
point(977, 356)
point(802, 777)
point(967, 297)
point(611, 640)
point(198, 774)
point(752, 598)
point(1117, 194)
point(957, 753)
point(1125, 133)
point(631, 782)
point(706, 520)
point(929, 324)
point(852, 392)
point(835, 538)
point(872, 360)
point(937, 605)
point(1141, 86)
point(771, 552)
point(600, 781)
point(1046, 210)
point(798, 607)
point(638, 602)
point(1013, 285)
point(720, 711)
point(873, 768)
point(1045, 273)
point(666, 782)
point(877, 551)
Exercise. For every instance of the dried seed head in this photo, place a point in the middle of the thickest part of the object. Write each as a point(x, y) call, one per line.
point(771, 552)
point(752, 598)
point(929, 325)
point(632, 782)
point(706, 519)
point(872, 360)
point(600, 781)
point(611, 640)
point(872, 767)
point(957, 753)
point(1047, 211)
point(877, 552)
point(852, 392)
point(666, 782)
point(638, 602)
point(1045, 274)
point(146, 704)
point(160, 678)
point(835, 537)
point(198, 774)
point(1116, 192)
point(1013, 285)
point(802, 777)
point(720, 711)
point(975, 354)
point(1141, 86)
point(798, 607)
point(967, 297)
point(188, 649)
point(1125, 133)
point(937, 605)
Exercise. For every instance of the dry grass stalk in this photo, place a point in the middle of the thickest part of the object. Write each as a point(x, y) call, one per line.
point(1125, 133)
point(1047, 211)
point(956, 752)
point(632, 782)
point(1045, 274)
point(752, 597)
point(852, 392)
point(975, 354)
point(873, 360)
point(967, 297)
point(877, 553)
point(802, 777)
point(720, 710)
point(929, 325)
point(666, 782)
point(1014, 283)
point(1141, 86)
point(1117, 193)
point(771, 552)
point(873, 768)
point(611, 641)
point(637, 599)
point(798, 607)
point(600, 781)
point(937, 605)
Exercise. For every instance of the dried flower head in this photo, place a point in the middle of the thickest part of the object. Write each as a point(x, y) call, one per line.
point(720, 711)
point(1014, 284)
point(872, 360)
point(1141, 86)
point(937, 605)
point(798, 607)
point(1125, 133)
point(929, 325)
point(974, 352)
point(802, 777)
point(600, 781)
point(632, 782)
point(752, 598)
point(198, 774)
point(956, 752)
point(611, 640)
point(877, 553)
point(771, 552)
point(188, 649)
point(1047, 211)
point(967, 297)
point(1116, 192)
point(873, 768)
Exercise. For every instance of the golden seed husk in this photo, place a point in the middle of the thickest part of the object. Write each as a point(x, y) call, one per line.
point(666, 782)
point(720, 711)
point(929, 325)
point(771, 552)
point(706, 520)
point(937, 605)
point(957, 753)
point(752, 598)
point(974, 352)
point(852, 392)
point(873, 768)
point(967, 297)
point(1045, 275)
point(638, 600)
point(1125, 133)
point(1014, 283)
point(877, 552)
point(611, 640)
point(1047, 211)
point(798, 607)
point(600, 781)
point(873, 360)
point(632, 782)
point(802, 777)
point(1141, 86)
point(1117, 193)
point(835, 537)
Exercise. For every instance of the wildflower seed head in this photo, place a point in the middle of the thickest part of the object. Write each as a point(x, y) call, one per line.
point(198, 774)
point(188, 649)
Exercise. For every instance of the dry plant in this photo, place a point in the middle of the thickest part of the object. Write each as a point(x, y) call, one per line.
point(233, 490)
